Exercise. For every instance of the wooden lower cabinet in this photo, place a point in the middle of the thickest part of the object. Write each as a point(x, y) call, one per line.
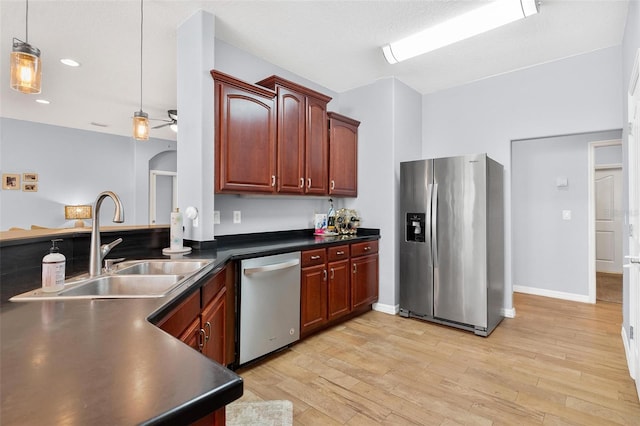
point(364, 274)
point(204, 321)
point(333, 285)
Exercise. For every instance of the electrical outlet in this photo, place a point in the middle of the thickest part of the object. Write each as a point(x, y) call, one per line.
point(237, 216)
point(216, 217)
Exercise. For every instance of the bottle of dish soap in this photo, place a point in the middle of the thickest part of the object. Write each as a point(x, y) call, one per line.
point(331, 217)
point(53, 266)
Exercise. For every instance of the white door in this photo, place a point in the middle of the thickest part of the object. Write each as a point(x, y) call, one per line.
point(634, 223)
point(608, 189)
point(163, 196)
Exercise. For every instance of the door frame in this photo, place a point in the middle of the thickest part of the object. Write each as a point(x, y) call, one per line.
point(153, 187)
point(591, 160)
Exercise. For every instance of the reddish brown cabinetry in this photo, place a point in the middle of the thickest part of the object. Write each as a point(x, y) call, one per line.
point(302, 146)
point(333, 286)
point(343, 155)
point(245, 136)
point(364, 274)
point(205, 321)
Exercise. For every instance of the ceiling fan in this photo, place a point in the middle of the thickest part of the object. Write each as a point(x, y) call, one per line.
point(172, 122)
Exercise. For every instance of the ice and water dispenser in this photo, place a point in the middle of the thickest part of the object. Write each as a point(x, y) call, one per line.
point(415, 227)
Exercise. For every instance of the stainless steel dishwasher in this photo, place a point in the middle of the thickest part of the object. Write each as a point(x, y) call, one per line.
point(269, 304)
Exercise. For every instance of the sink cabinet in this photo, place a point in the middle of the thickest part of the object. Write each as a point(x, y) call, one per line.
point(205, 321)
point(343, 155)
point(302, 143)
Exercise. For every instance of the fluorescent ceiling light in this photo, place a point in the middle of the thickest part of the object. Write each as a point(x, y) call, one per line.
point(478, 21)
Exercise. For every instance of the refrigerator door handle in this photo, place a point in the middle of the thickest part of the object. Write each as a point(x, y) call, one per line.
point(427, 224)
point(434, 224)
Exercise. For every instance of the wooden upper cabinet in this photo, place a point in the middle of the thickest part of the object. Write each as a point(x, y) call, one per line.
point(302, 148)
point(245, 136)
point(343, 155)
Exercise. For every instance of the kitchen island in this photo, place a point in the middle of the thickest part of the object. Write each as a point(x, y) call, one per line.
point(105, 362)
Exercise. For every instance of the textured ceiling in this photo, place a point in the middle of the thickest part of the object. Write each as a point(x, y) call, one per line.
point(333, 43)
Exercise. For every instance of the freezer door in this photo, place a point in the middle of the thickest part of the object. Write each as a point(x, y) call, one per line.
point(459, 239)
point(416, 268)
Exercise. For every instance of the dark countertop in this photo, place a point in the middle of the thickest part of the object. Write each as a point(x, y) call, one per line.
point(104, 362)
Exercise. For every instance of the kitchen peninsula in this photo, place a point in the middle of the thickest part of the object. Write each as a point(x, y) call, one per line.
point(104, 361)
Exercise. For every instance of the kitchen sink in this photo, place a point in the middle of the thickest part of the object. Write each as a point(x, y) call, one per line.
point(160, 267)
point(129, 279)
point(118, 286)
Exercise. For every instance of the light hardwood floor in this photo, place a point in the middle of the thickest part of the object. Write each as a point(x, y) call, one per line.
point(556, 363)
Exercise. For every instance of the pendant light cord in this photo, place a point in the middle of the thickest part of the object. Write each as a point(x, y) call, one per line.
point(26, 18)
point(141, 38)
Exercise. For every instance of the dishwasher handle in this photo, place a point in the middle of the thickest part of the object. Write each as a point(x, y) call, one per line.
point(272, 267)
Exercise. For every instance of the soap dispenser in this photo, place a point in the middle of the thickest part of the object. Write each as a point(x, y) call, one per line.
point(53, 266)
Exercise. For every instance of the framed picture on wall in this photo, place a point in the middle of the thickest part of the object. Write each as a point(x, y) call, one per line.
point(10, 181)
point(29, 177)
point(30, 187)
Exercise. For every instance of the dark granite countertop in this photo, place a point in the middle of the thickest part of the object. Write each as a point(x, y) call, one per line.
point(104, 362)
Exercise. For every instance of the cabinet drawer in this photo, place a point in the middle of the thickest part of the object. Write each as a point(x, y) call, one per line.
point(338, 253)
point(313, 257)
point(361, 249)
point(181, 317)
point(213, 286)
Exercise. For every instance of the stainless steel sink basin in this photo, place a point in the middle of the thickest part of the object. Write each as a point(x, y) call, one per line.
point(118, 286)
point(130, 279)
point(160, 267)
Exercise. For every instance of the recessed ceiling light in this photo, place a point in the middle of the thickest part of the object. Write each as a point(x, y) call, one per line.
point(70, 62)
point(43, 101)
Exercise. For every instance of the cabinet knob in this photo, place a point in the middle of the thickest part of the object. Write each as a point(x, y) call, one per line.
point(273, 180)
point(324, 273)
point(308, 183)
point(355, 268)
point(340, 253)
point(367, 248)
point(333, 273)
point(333, 184)
point(201, 339)
point(315, 257)
point(301, 182)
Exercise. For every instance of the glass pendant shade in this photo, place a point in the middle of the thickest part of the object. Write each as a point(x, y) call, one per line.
point(26, 68)
point(140, 126)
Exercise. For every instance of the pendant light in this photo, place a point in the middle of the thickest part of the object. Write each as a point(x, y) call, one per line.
point(141, 118)
point(26, 67)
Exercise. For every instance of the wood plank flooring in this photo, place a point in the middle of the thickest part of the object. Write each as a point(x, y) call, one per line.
point(556, 363)
point(609, 287)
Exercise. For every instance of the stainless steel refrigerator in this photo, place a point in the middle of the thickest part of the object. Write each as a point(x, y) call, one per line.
point(452, 243)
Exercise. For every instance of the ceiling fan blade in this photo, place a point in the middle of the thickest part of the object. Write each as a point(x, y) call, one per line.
point(163, 125)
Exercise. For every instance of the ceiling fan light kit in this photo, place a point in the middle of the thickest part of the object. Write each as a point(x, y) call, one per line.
point(141, 118)
point(477, 21)
point(25, 63)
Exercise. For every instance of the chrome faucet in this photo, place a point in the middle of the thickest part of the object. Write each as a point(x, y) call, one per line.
point(98, 252)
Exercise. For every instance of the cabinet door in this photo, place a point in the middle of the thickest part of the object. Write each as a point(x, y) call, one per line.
point(339, 291)
point(343, 155)
point(193, 335)
point(245, 140)
point(364, 281)
point(316, 158)
point(214, 326)
point(291, 141)
point(313, 298)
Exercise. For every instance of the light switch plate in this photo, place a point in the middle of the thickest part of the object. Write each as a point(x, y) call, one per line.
point(216, 217)
point(237, 216)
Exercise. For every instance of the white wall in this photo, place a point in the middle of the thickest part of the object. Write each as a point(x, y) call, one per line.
point(573, 95)
point(550, 255)
point(390, 132)
point(606, 155)
point(73, 167)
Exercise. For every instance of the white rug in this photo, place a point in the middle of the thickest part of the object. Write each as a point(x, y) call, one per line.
point(260, 413)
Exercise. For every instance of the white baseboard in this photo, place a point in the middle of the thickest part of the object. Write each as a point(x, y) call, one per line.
point(387, 309)
point(552, 293)
point(627, 352)
point(509, 313)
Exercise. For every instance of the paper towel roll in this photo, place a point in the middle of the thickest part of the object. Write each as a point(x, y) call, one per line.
point(176, 232)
